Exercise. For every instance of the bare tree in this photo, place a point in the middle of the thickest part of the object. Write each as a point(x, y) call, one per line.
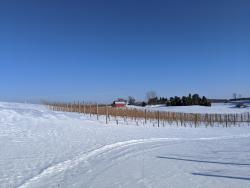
point(131, 100)
point(151, 95)
point(234, 96)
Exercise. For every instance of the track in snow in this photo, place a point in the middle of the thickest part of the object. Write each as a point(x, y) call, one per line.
point(94, 163)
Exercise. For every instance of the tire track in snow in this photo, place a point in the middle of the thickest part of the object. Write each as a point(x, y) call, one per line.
point(121, 155)
point(85, 157)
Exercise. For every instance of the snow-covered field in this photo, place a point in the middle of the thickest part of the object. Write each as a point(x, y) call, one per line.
point(41, 148)
point(216, 108)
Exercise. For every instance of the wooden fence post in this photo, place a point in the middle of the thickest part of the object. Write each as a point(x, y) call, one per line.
point(90, 110)
point(226, 120)
point(248, 118)
point(106, 114)
point(97, 112)
point(158, 118)
point(84, 112)
point(234, 119)
point(196, 120)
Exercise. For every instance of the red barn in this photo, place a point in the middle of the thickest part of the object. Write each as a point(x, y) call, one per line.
point(119, 103)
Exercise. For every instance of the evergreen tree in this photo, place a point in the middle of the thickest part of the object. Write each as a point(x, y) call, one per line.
point(205, 102)
point(196, 99)
point(184, 101)
point(177, 101)
point(172, 101)
point(189, 99)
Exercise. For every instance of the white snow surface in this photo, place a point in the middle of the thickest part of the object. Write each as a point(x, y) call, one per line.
point(216, 108)
point(42, 148)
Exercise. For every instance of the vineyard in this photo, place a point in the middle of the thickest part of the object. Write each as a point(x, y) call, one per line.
point(156, 118)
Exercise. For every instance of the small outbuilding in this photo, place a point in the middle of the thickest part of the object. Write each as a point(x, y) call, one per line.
point(119, 103)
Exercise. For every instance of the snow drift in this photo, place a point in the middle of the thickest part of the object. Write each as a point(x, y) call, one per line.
point(42, 148)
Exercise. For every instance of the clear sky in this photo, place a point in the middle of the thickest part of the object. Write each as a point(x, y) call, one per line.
point(98, 50)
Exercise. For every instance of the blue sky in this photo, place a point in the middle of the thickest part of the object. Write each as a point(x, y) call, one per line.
point(100, 50)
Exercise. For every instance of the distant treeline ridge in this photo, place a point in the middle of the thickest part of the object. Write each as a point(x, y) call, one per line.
point(181, 101)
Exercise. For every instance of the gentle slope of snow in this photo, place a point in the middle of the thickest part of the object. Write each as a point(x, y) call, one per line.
point(41, 148)
point(216, 108)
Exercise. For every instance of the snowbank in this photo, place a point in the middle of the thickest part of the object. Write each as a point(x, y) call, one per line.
point(41, 148)
point(216, 108)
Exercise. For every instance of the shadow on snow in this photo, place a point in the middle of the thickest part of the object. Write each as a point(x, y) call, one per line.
point(220, 176)
point(204, 161)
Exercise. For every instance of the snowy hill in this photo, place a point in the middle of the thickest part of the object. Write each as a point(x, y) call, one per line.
point(216, 108)
point(42, 148)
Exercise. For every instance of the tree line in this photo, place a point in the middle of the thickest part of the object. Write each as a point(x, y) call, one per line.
point(174, 101)
point(181, 101)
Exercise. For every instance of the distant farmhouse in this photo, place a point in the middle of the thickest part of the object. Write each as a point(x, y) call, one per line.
point(119, 103)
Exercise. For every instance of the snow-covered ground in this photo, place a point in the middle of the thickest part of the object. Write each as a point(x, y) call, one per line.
point(216, 108)
point(41, 148)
